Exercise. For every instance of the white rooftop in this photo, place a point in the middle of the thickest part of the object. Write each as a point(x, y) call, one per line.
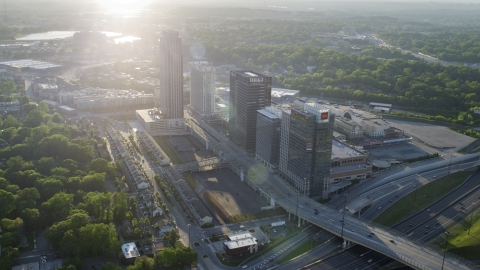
point(239, 235)
point(278, 92)
point(130, 250)
point(245, 242)
point(340, 150)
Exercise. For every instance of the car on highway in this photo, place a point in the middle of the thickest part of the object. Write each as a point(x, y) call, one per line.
point(391, 241)
point(370, 260)
point(243, 267)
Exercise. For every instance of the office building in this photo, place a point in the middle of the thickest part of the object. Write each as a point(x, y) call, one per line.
point(306, 147)
point(202, 90)
point(249, 91)
point(171, 76)
point(267, 147)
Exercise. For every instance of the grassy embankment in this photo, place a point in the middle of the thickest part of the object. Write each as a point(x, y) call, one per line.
point(426, 195)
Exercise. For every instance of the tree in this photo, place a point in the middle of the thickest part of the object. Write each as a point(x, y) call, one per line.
point(134, 222)
point(9, 133)
point(60, 171)
point(9, 254)
point(7, 202)
point(26, 108)
point(68, 245)
point(30, 217)
point(137, 232)
point(172, 237)
point(110, 266)
point(11, 225)
point(45, 164)
point(93, 182)
point(100, 165)
point(57, 207)
point(43, 106)
point(119, 206)
point(69, 164)
point(14, 164)
point(96, 239)
point(10, 121)
point(26, 198)
point(57, 118)
point(50, 187)
point(142, 263)
point(36, 117)
point(52, 146)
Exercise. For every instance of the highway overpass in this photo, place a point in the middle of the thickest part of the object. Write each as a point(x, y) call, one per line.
point(278, 192)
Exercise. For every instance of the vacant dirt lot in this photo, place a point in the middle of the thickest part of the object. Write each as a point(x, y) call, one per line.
point(226, 195)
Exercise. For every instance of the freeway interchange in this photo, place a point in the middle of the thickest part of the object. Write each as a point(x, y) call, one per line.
point(387, 242)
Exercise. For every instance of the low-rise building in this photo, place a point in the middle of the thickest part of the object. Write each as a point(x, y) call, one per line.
point(155, 124)
point(10, 106)
point(240, 244)
point(348, 163)
point(130, 252)
point(348, 127)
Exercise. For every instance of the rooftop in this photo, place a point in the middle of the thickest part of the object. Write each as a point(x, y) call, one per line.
point(239, 235)
point(245, 242)
point(28, 63)
point(148, 115)
point(279, 92)
point(130, 250)
point(268, 114)
point(340, 150)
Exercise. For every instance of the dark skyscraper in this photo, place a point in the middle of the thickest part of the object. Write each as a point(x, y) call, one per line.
point(171, 75)
point(249, 91)
point(306, 148)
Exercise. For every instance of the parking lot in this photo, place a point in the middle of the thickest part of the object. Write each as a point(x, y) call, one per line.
point(399, 152)
point(433, 135)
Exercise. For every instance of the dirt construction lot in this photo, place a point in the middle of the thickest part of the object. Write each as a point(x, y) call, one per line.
point(223, 192)
point(435, 136)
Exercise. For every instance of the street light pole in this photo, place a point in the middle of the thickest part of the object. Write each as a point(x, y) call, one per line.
point(445, 250)
point(451, 153)
point(296, 211)
point(188, 225)
point(471, 218)
point(416, 186)
point(343, 219)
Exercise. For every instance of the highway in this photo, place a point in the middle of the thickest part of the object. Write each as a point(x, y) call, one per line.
point(389, 243)
point(357, 257)
point(382, 197)
point(452, 208)
point(438, 216)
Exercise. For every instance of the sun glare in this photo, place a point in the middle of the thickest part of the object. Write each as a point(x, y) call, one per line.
point(123, 4)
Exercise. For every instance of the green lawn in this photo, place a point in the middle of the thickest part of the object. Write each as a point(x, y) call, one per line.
point(460, 242)
point(168, 150)
point(406, 206)
point(305, 247)
point(191, 179)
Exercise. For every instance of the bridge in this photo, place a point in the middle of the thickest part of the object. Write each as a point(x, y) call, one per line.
point(386, 241)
